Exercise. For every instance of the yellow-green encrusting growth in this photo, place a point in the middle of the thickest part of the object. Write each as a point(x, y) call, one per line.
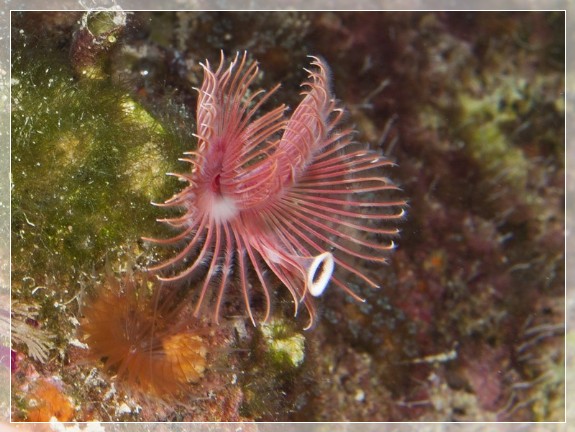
point(486, 117)
point(286, 349)
point(278, 362)
point(489, 143)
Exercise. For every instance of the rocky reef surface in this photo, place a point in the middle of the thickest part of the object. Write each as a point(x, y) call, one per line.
point(468, 324)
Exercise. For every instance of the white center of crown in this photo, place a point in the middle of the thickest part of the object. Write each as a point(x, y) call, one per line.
point(223, 209)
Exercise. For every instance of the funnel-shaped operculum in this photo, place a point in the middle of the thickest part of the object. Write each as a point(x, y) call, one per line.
point(319, 273)
point(315, 271)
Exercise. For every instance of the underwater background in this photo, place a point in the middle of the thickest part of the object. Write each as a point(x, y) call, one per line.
point(469, 322)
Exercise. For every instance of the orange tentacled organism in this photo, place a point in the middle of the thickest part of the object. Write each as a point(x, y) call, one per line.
point(141, 341)
point(296, 196)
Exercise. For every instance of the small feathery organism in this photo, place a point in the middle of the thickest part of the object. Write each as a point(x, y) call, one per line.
point(295, 196)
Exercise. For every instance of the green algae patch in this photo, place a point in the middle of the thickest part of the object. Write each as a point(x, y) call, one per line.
point(284, 349)
point(87, 159)
point(276, 366)
point(492, 119)
point(485, 120)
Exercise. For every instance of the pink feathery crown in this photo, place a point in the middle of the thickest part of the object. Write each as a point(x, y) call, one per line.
point(297, 197)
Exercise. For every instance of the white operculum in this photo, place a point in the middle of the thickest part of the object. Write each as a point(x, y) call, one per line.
point(316, 270)
point(319, 273)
